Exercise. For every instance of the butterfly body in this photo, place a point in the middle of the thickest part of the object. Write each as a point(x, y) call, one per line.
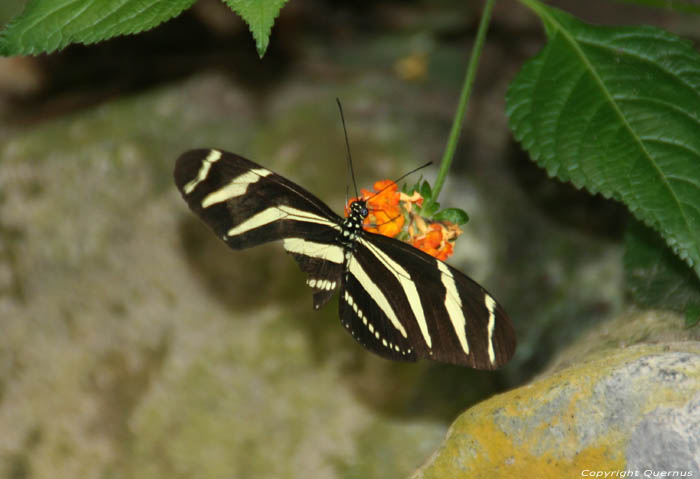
point(395, 300)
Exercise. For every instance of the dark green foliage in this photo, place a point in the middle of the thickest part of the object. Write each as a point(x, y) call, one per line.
point(656, 278)
point(615, 111)
point(49, 25)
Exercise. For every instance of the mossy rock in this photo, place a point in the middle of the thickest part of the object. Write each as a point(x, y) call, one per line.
point(625, 397)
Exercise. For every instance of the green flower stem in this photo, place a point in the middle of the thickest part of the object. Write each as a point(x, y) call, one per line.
point(463, 100)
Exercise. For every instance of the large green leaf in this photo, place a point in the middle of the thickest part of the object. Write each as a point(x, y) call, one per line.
point(654, 277)
point(10, 9)
point(48, 25)
point(260, 16)
point(615, 110)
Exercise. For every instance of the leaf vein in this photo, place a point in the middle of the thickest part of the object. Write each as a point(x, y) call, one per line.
point(576, 47)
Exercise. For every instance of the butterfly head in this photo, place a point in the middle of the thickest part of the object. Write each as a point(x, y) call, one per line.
point(358, 210)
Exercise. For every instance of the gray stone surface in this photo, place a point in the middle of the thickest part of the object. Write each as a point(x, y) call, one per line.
point(667, 439)
point(621, 408)
point(133, 343)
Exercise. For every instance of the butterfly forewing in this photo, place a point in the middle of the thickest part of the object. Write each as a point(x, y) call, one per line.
point(446, 316)
point(246, 205)
point(395, 300)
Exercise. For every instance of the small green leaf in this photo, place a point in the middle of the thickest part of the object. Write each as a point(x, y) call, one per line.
point(49, 25)
point(453, 215)
point(429, 209)
point(617, 111)
point(654, 276)
point(692, 315)
point(426, 191)
point(409, 190)
point(260, 16)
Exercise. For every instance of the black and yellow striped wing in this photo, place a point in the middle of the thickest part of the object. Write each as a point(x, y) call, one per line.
point(395, 300)
point(403, 304)
point(247, 205)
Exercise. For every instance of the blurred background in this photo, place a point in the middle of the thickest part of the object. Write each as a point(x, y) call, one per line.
point(133, 343)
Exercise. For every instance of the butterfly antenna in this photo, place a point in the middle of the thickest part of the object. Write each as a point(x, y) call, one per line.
point(347, 146)
point(402, 177)
point(390, 220)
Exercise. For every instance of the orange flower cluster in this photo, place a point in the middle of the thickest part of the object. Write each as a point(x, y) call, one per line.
point(388, 210)
point(435, 241)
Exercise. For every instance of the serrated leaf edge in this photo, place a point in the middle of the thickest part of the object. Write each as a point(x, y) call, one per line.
point(547, 14)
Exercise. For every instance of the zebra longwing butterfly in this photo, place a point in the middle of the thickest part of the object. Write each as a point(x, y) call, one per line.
point(395, 300)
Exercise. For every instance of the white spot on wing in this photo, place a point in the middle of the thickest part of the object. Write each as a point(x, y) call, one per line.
point(236, 187)
point(453, 305)
point(212, 157)
point(490, 305)
point(387, 344)
point(373, 290)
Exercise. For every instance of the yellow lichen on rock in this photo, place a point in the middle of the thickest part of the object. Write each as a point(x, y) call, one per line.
point(584, 418)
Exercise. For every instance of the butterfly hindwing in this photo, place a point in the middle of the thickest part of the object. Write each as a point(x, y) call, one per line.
point(364, 319)
point(323, 262)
